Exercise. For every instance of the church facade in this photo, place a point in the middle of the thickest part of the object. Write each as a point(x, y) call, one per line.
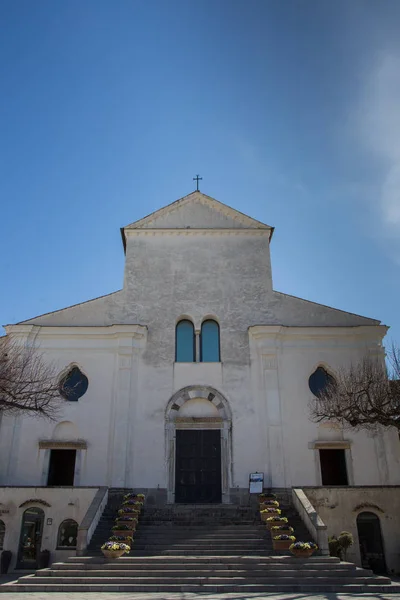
point(194, 375)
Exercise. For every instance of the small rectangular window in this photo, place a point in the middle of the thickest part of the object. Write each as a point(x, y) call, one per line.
point(333, 467)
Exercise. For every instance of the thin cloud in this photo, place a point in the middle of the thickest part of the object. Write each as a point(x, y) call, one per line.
point(380, 129)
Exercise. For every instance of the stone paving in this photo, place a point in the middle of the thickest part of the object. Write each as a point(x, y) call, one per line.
point(186, 596)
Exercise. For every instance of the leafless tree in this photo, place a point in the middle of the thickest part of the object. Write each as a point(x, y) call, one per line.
point(28, 384)
point(363, 395)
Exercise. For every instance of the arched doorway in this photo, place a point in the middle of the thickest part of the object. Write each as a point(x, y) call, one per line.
point(370, 540)
point(198, 446)
point(31, 538)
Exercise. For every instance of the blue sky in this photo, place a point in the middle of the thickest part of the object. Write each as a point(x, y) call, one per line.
point(290, 110)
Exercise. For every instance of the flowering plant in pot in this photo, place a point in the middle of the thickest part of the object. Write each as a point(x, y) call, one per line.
point(126, 539)
point(114, 549)
point(268, 512)
point(275, 520)
point(281, 530)
point(266, 496)
point(269, 504)
point(121, 528)
point(132, 502)
point(282, 542)
point(303, 549)
point(133, 495)
point(130, 511)
point(125, 524)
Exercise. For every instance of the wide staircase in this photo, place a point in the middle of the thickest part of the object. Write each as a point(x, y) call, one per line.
point(202, 548)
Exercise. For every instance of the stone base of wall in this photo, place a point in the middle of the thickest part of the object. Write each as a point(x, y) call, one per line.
point(157, 497)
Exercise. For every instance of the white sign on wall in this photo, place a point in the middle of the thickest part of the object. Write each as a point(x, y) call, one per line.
point(256, 483)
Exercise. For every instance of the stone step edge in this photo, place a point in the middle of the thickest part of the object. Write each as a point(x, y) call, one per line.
point(203, 580)
point(184, 572)
point(269, 559)
point(291, 588)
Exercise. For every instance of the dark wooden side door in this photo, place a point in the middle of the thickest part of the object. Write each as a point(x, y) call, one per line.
point(198, 466)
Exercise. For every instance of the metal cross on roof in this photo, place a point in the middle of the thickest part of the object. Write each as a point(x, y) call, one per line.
point(197, 179)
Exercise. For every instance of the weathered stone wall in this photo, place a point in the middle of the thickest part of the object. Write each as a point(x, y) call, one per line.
point(339, 508)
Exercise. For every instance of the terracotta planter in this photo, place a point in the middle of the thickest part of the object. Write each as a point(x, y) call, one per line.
point(112, 554)
point(265, 505)
point(281, 544)
point(265, 516)
point(302, 553)
point(124, 532)
point(280, 531)
point(270, 524)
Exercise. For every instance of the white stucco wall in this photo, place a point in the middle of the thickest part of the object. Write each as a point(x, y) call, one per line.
point(197, 264)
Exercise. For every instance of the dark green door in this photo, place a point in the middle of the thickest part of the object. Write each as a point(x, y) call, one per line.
point(30, 539)
point(198, 466)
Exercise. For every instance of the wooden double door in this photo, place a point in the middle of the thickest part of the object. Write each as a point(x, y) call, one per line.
point(198, 466)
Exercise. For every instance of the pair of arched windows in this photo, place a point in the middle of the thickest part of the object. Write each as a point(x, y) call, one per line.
point(185, 343)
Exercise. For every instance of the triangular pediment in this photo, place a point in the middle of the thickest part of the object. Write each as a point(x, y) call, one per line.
point(197, 211)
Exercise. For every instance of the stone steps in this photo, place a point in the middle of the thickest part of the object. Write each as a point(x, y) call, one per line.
point(261, 574)
point(196, 580)
point(202, 548)
point(182, 573)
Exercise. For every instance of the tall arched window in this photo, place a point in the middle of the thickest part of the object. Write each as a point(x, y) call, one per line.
point(209, 342)
point(2, 534)
point(185, 342)
point(319, 381)
point(67, 534)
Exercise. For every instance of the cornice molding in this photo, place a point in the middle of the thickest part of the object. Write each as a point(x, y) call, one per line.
point(330, 445)
point(65, 444)
point(198, 232)
point(260, 332)
point(136, 332)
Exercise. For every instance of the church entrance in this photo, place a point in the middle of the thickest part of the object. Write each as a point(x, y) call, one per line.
point(198, 466)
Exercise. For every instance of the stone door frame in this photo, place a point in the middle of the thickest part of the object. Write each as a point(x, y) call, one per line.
point(222, 422)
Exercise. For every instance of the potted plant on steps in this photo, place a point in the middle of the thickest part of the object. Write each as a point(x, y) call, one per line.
point(113, 549)
point(272, 511)
point(269, 504)
point(266, 496)
point(129, 511)
point(282, 542)
point(303, 549)
point(124, 528)
point(123, 539)
point(275, 520)
point(281, 530)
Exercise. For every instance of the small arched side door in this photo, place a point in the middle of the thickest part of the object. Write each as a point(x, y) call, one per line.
point(31, 538)
point(371, 544)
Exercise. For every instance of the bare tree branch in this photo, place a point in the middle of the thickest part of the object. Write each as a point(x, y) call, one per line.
point(363, 396)
point(28, 384)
